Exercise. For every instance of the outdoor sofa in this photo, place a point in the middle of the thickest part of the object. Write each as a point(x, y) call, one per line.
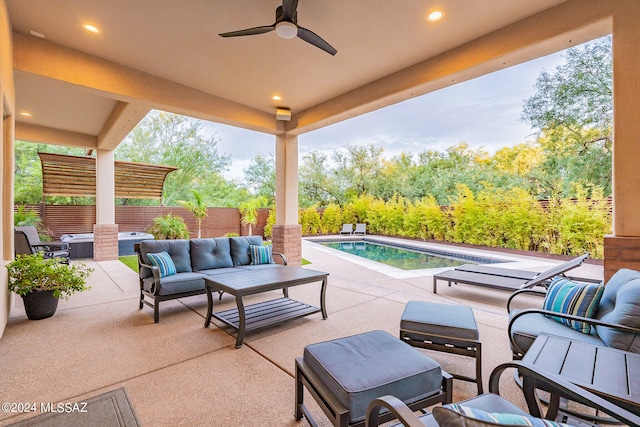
point(171, 269)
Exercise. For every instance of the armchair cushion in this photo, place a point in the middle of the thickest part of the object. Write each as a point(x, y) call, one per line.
point(620, 304)
point(261, 254)
point(567, 297)
point(163, 261)
point(464, 416)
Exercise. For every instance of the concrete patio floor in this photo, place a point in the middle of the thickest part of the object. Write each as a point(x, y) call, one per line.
point(177, 372)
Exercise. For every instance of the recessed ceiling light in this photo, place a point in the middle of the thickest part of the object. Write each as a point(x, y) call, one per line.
point(25, 114)
point(276, 97)
point(436, 15)
point(91, 28)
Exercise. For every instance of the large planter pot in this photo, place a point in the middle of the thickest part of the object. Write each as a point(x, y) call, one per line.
point(40, 304)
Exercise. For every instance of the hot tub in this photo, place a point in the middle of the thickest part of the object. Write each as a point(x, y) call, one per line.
point(81, 245)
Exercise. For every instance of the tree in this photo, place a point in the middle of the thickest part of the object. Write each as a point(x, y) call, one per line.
point(260, 177)
point(572, 112)
point(175, 140)
point(316, 184)
point(358, 168)
point(249, 211)
point(198, 209)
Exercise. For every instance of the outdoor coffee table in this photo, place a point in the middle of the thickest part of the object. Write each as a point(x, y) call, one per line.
point(610, 373)
point(268, 313)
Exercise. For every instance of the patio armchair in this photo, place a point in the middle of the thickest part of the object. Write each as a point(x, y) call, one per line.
point(26, 244)
point(347, 229)
point(472, 411)
point(613, 321)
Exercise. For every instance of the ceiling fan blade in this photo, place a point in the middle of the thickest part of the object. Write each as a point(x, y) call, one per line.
point(311, 37)
point(249, 31)
point(289, 8)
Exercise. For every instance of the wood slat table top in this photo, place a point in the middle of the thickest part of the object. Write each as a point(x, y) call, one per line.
point(606, 371)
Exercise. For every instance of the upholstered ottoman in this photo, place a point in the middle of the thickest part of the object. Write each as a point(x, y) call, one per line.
point(344, 375)
point(443, 327)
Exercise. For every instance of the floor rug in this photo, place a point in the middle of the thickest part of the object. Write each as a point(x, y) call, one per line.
point(112, 409)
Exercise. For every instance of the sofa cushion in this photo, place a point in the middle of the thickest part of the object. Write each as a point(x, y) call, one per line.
point(163, 261)
point(527, 327)
point(223, 270)
point(461, 415)
point(568, 297)
point(181, 282)
point(177, 249)
point(210, 253)
point(240, 248)
point(620, 304)
point(261, 254)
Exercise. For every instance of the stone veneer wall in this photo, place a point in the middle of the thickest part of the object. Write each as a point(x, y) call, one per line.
point(105, 242)
point(287, 239)
point(620, 252)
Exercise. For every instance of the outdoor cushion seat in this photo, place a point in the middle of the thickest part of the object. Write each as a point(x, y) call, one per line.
point(215, 271)
point(181, 282)
point(359, 368)
point(616, 323)
point(260, 266)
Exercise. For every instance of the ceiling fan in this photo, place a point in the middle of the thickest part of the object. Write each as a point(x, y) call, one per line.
point(286, 26)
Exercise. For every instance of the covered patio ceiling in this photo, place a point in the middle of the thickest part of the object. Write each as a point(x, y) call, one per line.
point(90, 89)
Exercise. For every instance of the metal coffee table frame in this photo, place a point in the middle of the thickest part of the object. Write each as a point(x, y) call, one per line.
point(268, 313)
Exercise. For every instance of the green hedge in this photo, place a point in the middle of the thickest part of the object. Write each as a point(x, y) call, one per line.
point(496, 218)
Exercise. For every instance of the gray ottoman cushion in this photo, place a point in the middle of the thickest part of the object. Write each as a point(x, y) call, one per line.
point(444, 320)
point(360, 368)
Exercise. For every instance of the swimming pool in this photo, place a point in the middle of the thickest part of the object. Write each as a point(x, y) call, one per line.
point(405, 258)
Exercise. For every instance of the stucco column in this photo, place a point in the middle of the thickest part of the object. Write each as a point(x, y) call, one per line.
point(622, 248)
point(287, 233)
point(105, 231)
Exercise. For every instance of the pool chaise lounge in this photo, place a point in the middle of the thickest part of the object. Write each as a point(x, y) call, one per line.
point(503, 279)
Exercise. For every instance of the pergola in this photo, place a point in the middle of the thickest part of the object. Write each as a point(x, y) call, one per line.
point(63, 85)
point(64, 175)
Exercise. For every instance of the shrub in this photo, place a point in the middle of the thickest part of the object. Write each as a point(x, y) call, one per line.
point(169, 227)
point(331, 221)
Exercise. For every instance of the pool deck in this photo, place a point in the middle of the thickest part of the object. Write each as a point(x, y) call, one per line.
point(177, 372)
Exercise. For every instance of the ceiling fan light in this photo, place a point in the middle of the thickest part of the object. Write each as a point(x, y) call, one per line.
point(286, 30)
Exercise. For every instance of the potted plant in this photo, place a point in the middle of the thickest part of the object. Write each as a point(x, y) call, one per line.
point(42, 281)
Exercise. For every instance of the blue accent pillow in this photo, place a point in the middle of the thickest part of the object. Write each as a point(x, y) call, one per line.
point(567, 297)
point(459, 415)
point(261, 254)
point(163, 261)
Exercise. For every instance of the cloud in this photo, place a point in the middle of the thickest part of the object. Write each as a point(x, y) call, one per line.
point(483, 112)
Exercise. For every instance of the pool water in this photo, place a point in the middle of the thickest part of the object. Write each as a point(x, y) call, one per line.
point(403, 258)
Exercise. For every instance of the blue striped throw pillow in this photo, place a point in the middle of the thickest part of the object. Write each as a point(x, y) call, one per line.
point(458, 415)
point(261, 254)
point(163, 261)
point(567, 297)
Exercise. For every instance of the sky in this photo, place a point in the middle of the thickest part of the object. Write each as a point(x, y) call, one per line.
point(483, 112)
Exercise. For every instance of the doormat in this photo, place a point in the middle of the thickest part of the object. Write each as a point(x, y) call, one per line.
point(112, 409)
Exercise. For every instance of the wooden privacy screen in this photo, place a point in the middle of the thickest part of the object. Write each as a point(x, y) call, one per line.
point(64, 175)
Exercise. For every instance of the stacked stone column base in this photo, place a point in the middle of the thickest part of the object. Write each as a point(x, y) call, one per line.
point(287, 239)
point(620, 252)
point(105, 242)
